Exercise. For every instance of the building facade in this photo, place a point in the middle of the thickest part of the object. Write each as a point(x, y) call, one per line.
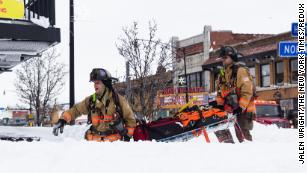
point(196, 50)
point(275, 77)
point(189, 74)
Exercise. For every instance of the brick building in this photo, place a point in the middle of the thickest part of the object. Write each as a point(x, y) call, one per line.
point(196, 50)
point(275, 77)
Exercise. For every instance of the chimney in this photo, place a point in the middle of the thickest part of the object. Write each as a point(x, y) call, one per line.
point(207, 41)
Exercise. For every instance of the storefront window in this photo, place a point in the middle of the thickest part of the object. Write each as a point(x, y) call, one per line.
point(265, 75)
point(293, 68)
point(200, 79)
point(279, 73)
point(193, 80)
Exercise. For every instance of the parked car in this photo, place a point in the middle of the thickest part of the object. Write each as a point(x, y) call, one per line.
point(13, 122)
point(269, 112)
point(20, 122)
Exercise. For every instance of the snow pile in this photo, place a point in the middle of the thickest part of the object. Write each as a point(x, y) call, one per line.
point(42, 21)
point(274, 150)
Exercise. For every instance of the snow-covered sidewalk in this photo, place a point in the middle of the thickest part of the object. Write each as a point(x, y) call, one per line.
point(274, 151)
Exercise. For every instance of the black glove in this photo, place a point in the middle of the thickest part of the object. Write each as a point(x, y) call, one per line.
point(59, 126)
point(220, 107)
point(238, 111)
point(126, 138)
point(215, 105)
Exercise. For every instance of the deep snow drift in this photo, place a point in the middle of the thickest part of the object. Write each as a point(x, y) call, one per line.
point(273, 151)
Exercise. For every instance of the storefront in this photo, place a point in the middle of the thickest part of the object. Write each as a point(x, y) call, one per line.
point(175, 98)
point(275, 77)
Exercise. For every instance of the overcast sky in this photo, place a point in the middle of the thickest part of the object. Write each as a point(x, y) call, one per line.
point(99, 23)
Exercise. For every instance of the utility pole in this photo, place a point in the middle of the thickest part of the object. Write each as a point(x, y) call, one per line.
point(128, 82)
point(71, 55)
point(186, 77)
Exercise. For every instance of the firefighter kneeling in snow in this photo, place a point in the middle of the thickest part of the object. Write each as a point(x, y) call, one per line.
point(109, 113)
point(236, 92)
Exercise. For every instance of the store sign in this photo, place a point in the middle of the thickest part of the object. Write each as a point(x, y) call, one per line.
point(294, 29)
point(178, 100)
point(182, 90)
point(181, 81)
point(12, 9)
point(288, 49)
point(20, 114)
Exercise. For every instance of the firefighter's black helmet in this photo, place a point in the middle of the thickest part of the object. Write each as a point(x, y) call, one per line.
point(230, 51)
point(101, 74)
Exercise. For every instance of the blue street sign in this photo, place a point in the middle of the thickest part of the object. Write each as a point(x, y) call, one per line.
point(288, 49)
point(294, 32)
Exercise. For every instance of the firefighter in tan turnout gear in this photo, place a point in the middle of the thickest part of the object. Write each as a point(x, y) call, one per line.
point(109, 113)
point(236, 93)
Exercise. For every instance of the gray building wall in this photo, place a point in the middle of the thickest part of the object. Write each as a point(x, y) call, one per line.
point(193, 62)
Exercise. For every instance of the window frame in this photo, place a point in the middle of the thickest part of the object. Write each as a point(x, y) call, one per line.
point(191, 76)
point(276, 74)
point(261, 75)
point(291, 72)
point(198, 79)
point(254, 77)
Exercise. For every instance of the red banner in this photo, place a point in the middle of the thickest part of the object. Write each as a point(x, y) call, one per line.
point(168, 91)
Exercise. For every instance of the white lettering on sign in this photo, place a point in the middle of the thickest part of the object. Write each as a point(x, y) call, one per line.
point(301, 83)
point(291, 49)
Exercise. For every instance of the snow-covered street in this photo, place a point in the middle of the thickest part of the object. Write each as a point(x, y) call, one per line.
point(274, 150)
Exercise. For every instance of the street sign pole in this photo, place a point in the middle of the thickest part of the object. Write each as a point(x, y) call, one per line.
point(186, 77)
